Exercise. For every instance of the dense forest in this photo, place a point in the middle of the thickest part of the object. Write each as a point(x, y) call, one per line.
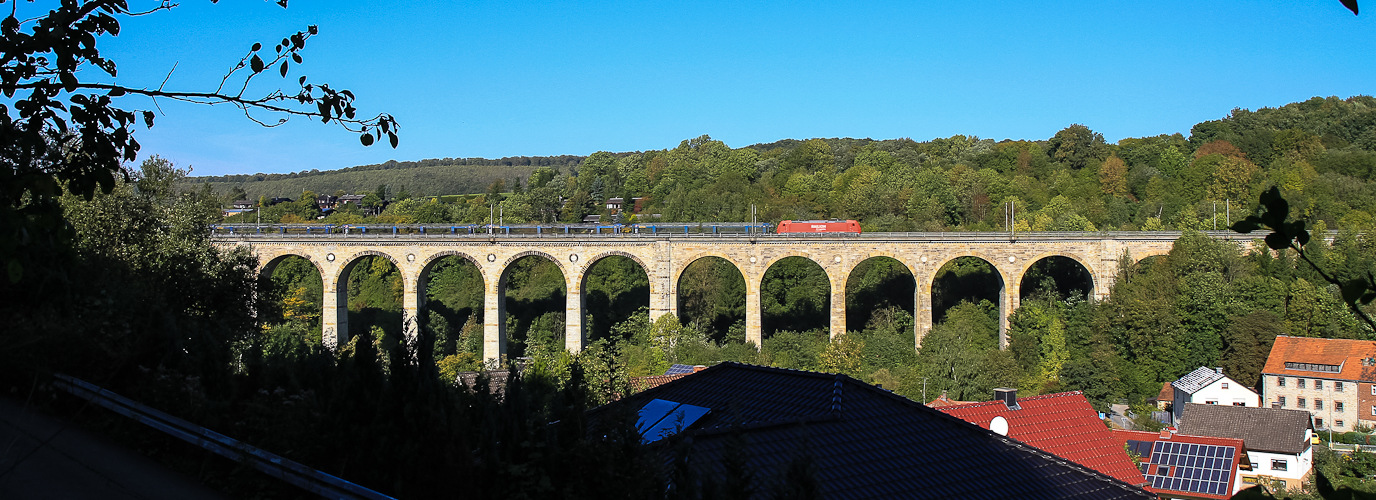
point(1321, 153)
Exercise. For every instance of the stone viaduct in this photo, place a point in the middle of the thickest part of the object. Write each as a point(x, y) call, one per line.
point(664, 257)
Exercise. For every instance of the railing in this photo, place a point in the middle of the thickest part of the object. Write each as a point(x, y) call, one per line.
point(298, 475)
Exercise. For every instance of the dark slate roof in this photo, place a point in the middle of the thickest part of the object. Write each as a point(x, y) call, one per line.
point(1262, 429)
point(864, 442)
point(1198, 379)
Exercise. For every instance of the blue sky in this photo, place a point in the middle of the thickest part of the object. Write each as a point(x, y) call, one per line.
point(492, 79)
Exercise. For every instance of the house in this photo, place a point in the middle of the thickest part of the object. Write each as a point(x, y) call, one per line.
point(326, 202)
point(1278, 441)
point(1063, 424)
point(1184, 466)
point(858, 441)
point(614, 204)
point(356, 199)
point(1165, 398)
point(1211, 387)
point(1332, 379)
point(243, 205)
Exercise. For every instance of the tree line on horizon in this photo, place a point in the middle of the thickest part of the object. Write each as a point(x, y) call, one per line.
point(1321, 153)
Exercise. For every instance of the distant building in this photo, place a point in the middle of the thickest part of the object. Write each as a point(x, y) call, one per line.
point(356, 199)
point(859, 441)
point(1332, 379)
point(326, 202)
point(614, 204)
point(243, 205)
point(275, 201)
point(1278, 441)
point(942, 400)
point(1063, 424)
point(1210, 386)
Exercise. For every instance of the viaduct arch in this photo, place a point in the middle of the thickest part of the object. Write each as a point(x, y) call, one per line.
point(665, 257)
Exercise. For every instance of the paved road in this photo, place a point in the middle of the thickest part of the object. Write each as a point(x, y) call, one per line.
point(42, 457)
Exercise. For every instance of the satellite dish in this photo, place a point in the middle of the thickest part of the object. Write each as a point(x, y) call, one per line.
point(999, 425)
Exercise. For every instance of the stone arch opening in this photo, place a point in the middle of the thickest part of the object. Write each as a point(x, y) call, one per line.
point(290, 289)
point(450, 313)
point(615, 287)
point(711, 295)
point(1057, 277)
point(965, 279)
point(880, 286)
point(795, 295)
point(372, 285)
point(533, 291)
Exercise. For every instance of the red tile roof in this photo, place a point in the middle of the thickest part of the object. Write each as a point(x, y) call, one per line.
point(645, 383)
point(1123, 437)
point(1349, 354)
point(1063, 424)
point(1167, 393)
point(945, 401)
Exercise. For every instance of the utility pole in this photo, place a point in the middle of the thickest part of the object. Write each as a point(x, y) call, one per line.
point(924, 390)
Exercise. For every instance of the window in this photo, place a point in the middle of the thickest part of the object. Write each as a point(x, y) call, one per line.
point(1373, 411)
point(1314, 367)
point(1211, 401)
point(1338, 423)
point(1278, 464)
point(1299, 403)
point(1318, 385)
point(1280, 382)
point(1318, 422)
point(1318, 404)
point(1239, 403)
point(1281, 400)
point(1301, 382)
point(1225, 385)
point(1338, 386)
point(1338, 407)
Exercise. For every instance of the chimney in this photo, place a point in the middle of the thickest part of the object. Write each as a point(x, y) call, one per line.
point(1219, 370)
point(1008, 396)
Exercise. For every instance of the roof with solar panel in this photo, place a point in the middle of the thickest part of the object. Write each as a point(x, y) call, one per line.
point(861, 441)
point(1184, 466)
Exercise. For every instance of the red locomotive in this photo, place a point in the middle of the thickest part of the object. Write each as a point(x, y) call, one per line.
point(819, 226)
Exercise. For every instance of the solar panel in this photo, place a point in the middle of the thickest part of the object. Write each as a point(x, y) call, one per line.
point(1189, 467)
point(660, 419)
point(677, 369)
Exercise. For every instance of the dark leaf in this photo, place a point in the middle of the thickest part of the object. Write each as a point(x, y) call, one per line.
point(313, 29)
point(283, 69)
point(1351, 5)
point(1277, 241)
point(296, 57)
point(256, 47)
point(1247, 225)
point(392, 137)
point(115, 92)
point(1353, 290)
point(302, 80)
point(148, 119)
point(366, 139)
point(256, 64)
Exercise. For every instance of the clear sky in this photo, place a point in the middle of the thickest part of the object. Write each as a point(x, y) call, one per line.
point(493, 79)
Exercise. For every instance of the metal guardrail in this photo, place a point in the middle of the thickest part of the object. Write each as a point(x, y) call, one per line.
point(293, 473)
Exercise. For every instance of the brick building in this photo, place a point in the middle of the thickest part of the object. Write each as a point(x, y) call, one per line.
point(1333, 379)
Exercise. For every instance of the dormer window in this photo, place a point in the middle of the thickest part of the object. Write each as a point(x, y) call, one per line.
point(1314, 367)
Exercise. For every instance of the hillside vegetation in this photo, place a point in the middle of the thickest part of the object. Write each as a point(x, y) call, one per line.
point(1321, 153)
